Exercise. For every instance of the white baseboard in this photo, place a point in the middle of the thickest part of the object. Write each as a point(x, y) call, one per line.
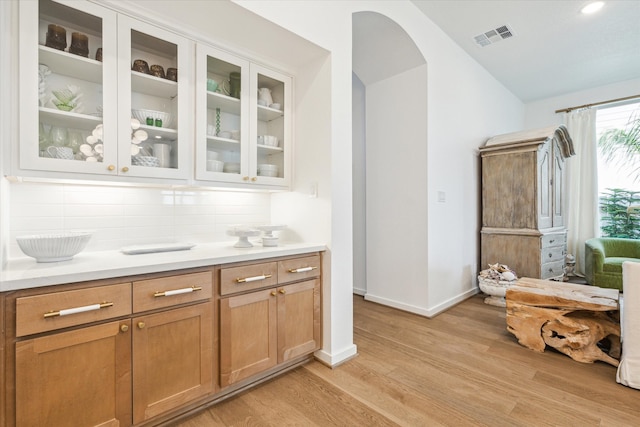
point(427, 312)
point(358, 291)
point(333, 360)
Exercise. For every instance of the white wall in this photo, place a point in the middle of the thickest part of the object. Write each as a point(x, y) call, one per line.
point(542, 113)
point(396, 201)
point(465, 107)
point(359, 186)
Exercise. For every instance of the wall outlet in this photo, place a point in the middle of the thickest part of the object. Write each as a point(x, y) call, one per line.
point(442, 196)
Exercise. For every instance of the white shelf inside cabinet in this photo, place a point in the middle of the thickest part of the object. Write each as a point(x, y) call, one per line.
point(268, 148)
point(55, 117)
point(224, 143)
point(266, 114)
point(71, 65)
point(152, 85)
point(225, 103)
point(163, 133)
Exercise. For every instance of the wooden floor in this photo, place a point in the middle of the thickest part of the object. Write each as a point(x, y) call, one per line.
point(461, 368)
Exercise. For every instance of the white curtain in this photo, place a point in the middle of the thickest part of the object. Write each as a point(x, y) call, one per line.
point(582, 184)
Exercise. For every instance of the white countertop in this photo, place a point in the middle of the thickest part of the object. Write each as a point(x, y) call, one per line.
point(23, 273)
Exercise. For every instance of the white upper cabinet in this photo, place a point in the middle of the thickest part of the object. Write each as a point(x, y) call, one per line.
point(106, 96)
point(149, 57)
point(242, 121)
point(78, 94)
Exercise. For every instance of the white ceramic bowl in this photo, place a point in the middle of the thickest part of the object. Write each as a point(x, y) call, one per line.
point(225, 134)
point(231, 168)
point(267, 167)
point(270, 140)
point(54, 247)
point(275, 106)
point(268, 173)
point(141, 115)
point(213, 155)
point(215, 165)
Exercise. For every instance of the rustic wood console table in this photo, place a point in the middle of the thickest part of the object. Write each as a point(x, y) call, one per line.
point(571, 318)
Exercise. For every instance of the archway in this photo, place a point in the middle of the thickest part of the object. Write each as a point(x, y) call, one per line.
point(390, 162)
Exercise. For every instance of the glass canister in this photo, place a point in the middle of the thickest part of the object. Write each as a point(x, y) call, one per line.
point(234, 84)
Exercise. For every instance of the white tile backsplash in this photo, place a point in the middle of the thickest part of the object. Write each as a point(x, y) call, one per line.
point(122, 216)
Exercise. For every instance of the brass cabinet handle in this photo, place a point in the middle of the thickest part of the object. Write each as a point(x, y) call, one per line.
point(252, 279)
point(301, 270)
point(245, 178)
point(76, 310)
point(282, 291)
point(254, 179)
point(111, 167)
point(125, 169)
point(124, 328)
point(177, 291)
point(273, 293)
point(141, 325)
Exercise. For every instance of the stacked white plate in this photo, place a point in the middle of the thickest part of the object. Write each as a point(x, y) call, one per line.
point(267, 170)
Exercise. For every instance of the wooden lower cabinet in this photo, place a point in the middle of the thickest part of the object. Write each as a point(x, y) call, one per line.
point(260, 329)
point(142, 350)
point(298, 319)
point(75, 378)
point(172, 359)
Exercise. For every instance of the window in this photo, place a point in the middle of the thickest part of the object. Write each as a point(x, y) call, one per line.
point(618, 133)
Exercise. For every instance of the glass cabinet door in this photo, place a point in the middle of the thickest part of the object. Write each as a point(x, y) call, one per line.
point(270, 125)
point(155, 108)
point(68, 84)
point(222, 116)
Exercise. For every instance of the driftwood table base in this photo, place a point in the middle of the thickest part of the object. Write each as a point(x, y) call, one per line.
point(571, 318)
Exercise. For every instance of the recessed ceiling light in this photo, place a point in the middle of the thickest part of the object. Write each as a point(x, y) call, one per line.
point(592, 7)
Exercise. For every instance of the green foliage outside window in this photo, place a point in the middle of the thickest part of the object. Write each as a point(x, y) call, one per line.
point(619, 217)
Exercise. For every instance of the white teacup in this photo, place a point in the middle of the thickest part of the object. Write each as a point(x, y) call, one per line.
point(60, 152)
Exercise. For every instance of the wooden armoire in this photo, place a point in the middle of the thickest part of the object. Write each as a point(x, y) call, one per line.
point(523, 201)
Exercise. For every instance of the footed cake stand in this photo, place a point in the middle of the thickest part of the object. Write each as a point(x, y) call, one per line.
point(243, 235)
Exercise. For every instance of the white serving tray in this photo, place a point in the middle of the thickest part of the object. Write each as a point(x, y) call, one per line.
point(156, 247)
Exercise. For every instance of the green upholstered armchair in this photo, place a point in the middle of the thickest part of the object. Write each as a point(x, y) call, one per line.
point(604, 257)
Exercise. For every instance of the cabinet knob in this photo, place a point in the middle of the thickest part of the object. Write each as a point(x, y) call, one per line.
point(111, 167)
point(254, 179)
point(282, 291)
point(124, 328)
point(273, 293)
point(141, 325)
point(125, 169)
point(245, 178)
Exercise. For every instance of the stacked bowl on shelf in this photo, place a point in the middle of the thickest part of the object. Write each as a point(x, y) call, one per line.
point(213, 164)
point(265, 169)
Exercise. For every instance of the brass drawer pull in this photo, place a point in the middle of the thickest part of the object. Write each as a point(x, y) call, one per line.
point(75, 310)
point(177, 291)
point(301, 270)
point(252, 279)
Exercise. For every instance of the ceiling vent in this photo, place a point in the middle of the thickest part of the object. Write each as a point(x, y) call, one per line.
point(494, 36)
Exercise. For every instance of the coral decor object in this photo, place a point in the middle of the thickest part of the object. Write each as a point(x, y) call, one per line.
point(494, 282)
point(93, 150)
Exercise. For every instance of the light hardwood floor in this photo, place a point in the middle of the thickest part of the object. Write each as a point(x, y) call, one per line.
point(461, 368)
